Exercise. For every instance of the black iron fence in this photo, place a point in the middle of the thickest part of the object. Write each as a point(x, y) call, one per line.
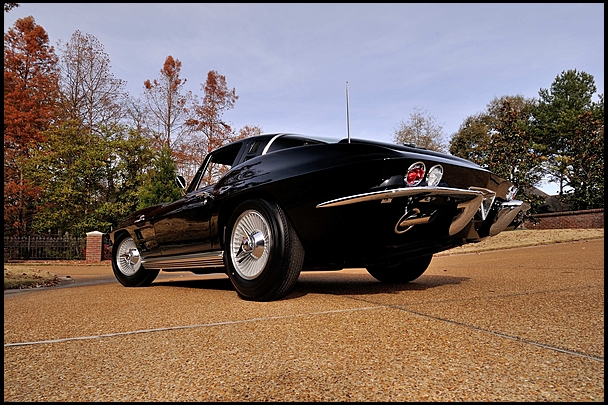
point(106, 247)
point(44, 248)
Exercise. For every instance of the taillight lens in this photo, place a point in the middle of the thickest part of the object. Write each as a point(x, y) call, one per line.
point(415, 174)
point(434, 176)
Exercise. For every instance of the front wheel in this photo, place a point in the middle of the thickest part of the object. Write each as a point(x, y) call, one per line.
point(402, 272)
point(263, 253)
point(126, 264)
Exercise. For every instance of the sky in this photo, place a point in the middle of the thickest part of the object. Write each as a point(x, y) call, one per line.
point(291, 64)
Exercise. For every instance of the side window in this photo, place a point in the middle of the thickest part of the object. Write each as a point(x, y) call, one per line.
point(213, 172)
point(218, 164)
point(254, 149)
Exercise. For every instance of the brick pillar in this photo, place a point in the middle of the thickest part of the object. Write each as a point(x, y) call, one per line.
point(94, 246)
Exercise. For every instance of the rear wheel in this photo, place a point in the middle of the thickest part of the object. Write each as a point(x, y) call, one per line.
point(401, 272)
point(263, 253)
point(126, 264)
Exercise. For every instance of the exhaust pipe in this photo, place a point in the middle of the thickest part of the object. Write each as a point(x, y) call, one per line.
point(411, 218)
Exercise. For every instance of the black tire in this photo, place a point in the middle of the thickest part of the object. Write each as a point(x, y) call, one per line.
point(402, 272)
point(262, 252)
point(126, 264)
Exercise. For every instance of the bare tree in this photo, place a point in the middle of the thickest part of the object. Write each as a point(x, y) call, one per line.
point(166, 104)
point(421, 130)
point(9, 6)
point(90, 92)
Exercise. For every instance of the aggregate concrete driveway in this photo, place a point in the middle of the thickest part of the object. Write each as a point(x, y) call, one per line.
point(523, 324)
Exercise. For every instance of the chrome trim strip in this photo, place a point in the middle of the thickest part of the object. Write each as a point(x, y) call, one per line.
point(403, 192)
point(270, 143)
point(507, 212)
point(486, 192)
point(190, 261)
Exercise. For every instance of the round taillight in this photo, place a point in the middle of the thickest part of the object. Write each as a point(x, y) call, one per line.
point(434, 176)
point(415, 174)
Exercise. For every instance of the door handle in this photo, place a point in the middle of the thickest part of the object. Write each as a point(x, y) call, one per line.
point(204, 196)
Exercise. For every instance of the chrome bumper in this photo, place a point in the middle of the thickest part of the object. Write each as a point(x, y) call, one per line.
point(506, 214)
point(470, 202)
point(387, 195)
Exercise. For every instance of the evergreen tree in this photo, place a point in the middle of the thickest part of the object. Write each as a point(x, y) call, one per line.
point(500, 139)
point(561, 129)
point(160, 186)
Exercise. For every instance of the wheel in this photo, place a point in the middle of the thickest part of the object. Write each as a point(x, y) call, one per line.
point(263, 253)
point(126, 264)
point(402, 272)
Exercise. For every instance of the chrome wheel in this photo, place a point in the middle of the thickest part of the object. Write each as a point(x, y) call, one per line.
point(127, 258)
point(250, 244)
point(263, 253)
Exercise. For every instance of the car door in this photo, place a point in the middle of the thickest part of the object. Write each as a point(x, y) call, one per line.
point(184, 226)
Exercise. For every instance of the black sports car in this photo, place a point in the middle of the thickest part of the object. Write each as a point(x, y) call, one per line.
point(264, 208)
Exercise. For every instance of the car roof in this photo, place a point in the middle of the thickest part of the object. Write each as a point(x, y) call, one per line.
point(318, 138)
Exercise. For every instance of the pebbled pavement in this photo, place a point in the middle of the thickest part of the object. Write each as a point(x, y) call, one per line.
point(522, 324)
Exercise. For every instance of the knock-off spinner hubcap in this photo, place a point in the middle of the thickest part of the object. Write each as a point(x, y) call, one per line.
point(127, 257)
point(253, 244)
point(250, 244)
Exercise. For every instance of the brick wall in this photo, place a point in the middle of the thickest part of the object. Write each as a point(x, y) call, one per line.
point(568, 220)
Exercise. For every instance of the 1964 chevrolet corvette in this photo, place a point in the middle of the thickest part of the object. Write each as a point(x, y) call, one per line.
point(265, 208)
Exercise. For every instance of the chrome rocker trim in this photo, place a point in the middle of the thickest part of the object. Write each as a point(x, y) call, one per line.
point(190, 261)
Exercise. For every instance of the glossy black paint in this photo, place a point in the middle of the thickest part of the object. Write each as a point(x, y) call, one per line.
point(308, 172)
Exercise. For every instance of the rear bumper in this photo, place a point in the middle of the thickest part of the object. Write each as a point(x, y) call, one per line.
point(507, 212)
point(477, 214)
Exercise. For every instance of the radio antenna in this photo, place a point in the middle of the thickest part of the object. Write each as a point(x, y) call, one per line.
point(347, 115)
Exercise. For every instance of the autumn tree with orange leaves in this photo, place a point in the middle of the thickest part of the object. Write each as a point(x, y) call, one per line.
point(176, 120)
point(208, 129)
point(79, 154)
point(166, 104)
point(207, 120)
point(30, 91)
point(247, 131)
